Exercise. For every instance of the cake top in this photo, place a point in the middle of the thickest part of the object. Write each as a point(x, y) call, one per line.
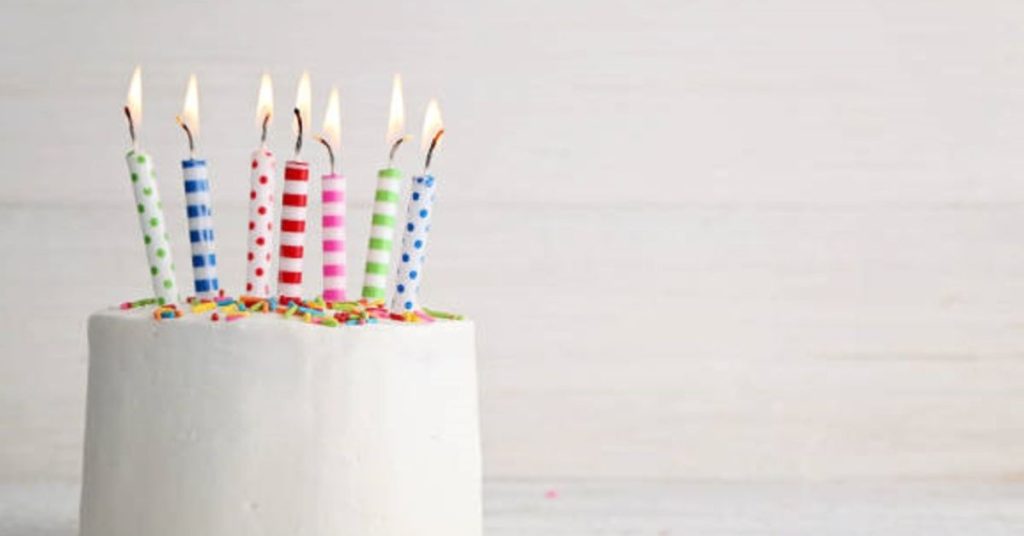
point(318, 312)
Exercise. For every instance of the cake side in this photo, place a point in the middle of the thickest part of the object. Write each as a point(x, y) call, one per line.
point(271, 426)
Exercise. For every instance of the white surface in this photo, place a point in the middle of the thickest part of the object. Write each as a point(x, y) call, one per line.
point(729, 239)
point(620, 508)
point(265, 426)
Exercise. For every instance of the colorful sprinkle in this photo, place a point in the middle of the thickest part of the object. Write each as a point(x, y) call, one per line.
point(316, 311)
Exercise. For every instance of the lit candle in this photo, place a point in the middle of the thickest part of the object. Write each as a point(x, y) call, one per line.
point(293, 205)
point(385, 205)
point(147, 202)
point(333, 207)
point(261, 201)
point(417, 220)
point(197, 200)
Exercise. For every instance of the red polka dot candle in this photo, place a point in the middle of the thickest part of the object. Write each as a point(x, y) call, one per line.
point(261, 202)
point(148, 205)
point(333, 207)
point(293, 206)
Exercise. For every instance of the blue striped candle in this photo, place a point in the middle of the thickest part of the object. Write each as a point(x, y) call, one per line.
point(200, 227)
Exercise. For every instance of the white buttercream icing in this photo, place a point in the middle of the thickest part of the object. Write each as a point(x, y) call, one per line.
point(274, 427)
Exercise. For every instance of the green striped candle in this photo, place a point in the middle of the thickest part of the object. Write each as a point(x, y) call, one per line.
point(385, 204)
point(382, 233)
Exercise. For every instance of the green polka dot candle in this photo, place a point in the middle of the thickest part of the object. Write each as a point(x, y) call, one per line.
point(153, 225)
point(148, 206)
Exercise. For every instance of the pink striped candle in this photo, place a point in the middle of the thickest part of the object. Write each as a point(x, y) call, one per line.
point(334, 237)
point(333, 206)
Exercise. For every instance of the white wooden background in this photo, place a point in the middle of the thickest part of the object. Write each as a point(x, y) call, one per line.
point(733, 240)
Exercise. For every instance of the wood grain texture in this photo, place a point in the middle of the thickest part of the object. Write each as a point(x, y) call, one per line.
point(728, 240)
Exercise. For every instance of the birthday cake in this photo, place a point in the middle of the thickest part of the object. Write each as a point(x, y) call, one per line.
point(277, 426)
point(273, 413)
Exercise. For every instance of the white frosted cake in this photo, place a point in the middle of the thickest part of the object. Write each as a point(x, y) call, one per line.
point(270, 426)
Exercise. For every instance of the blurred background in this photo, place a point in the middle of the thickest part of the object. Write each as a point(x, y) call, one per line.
point(729, 260)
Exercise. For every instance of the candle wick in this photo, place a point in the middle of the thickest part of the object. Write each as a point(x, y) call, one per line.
point(330, 150)
point(131, 127)
point(430, 152)
point(191, 140)
point(298, 139)
point(394, 149)
point(263, 136)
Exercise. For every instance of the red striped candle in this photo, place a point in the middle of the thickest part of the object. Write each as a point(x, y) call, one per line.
point(334, 237)
point(293, 230)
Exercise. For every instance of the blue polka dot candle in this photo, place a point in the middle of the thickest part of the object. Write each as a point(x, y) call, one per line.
point(417, 222)
point(197, 201)
point(148, 205)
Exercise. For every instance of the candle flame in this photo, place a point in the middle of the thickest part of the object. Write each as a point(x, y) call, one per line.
point(134, 101)
point(190, 111)
point(302, 102)
point(396, 120)
point(432, 124)
point(331, 132)
point(265, 102)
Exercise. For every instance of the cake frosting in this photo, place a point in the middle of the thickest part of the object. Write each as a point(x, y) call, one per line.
point(274, 427)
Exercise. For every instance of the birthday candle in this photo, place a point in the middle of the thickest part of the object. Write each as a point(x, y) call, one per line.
point(261, 201)
point(293, 206)
point(333, 208)
point(385, 206)
point(148, 205)
point(417, 220)
point(197, 201)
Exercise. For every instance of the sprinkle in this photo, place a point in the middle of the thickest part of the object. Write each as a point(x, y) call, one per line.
point(250, 300)
point(443, 315)
point(315, 311)
point(424, 316)
point(203, 307)
point(139, 303)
